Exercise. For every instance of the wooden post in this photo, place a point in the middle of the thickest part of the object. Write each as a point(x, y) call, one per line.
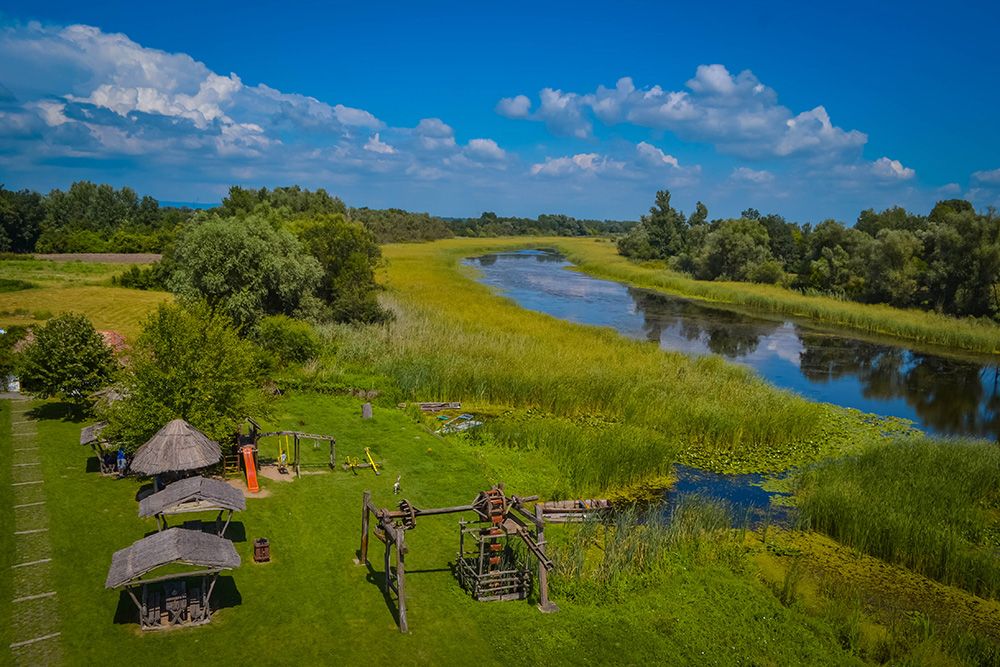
point(363, 552)
point(297, 468)
point(543, 575)
point(333, 453)
point(400, 580)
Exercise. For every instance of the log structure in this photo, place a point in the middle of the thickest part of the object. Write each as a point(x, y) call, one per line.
point(297, 436)
point(487, 566)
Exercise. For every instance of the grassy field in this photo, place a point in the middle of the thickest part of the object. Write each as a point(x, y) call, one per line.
point(313, 605)
point(600, 258)
point(83, 287)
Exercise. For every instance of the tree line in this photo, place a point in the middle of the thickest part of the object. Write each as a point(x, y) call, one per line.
point(89, 217)
point(947, 261)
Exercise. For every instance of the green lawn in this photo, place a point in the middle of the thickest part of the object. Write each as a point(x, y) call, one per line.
point(312, 605)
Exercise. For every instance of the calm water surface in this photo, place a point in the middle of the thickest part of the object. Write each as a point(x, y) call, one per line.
point(941, 394)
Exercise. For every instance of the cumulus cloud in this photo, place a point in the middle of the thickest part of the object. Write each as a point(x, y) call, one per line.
point(514, 107)
point(991, 177)
point(581, 163)
point(485, 150)
point(654, 157)
point(753, 176)
point(892, 169)
point(738, 114)
point(376, 145)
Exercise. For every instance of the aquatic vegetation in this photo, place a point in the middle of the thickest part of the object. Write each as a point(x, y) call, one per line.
point(930, 505)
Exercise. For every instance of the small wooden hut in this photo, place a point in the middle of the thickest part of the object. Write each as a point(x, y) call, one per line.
point(194, 494)
point(177, 447)
point(178, 597)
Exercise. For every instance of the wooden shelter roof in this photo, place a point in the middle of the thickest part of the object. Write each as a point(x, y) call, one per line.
point(194, 494)
point(176, 447)
point(92, 433)
point(175, 545)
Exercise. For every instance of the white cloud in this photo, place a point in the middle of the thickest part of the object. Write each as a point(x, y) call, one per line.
point(754, 176)
point(581, 163)
point(991, 177)
point(485, 149)
point(892, 169)
point(655, 157)
point(737, 114)
point(514, 107)
point(376, 145)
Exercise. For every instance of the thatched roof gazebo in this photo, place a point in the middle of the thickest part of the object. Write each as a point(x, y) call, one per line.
point(176, 597)
point(176, 447)
point(194, 494)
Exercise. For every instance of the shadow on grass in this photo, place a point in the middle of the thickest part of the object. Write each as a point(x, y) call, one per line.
point(59, 410)
point(93, 464)
point(377, 579)
point(224, 596)
point(235, 532)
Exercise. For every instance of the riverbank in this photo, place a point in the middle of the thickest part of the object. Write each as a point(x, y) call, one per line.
point(606, 411)
point(600, 258)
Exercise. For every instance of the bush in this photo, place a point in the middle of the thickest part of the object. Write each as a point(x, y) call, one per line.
point(153, 277)
point(289, 340)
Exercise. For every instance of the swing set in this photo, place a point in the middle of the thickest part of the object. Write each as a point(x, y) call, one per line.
point(290, 446)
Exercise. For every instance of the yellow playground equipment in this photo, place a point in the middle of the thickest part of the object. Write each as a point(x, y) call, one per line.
point(352, 463)
point(283, 454)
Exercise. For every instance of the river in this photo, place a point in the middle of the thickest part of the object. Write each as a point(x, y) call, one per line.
point(940, 393)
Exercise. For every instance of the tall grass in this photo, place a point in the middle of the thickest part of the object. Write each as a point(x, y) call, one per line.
point(931, 506)
point(601, 259)
point(452, 339)
point(617, 554)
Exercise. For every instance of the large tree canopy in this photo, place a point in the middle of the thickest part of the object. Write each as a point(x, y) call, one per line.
point(245, 268)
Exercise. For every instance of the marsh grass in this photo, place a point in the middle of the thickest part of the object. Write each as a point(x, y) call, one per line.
point(929, 505)
point(619, 553)
point(452, 339)
point(601, 259)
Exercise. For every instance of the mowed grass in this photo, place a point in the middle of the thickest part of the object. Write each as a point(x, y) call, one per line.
point(931, 506)
point(313, 605)
point(82, 287)
point(599, 257)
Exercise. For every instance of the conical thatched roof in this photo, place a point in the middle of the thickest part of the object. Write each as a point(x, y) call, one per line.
point(175, 447)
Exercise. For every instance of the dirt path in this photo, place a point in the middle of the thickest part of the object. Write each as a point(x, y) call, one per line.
point(35, 613)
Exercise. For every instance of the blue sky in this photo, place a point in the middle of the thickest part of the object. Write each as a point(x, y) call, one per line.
point(584, 108)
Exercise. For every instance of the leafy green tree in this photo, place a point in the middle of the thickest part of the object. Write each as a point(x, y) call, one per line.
point(68, 359)
point(348, 255)
point(666, 227)
point(737, 250)
point(894, 269)
point(21, 216)
point(246, 269)
point(287, 339)
point(188, 363)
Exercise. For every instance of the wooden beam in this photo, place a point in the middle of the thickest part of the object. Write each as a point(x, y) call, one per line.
point(401, 581)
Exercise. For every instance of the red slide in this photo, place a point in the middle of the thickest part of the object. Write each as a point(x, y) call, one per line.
point(251, 469)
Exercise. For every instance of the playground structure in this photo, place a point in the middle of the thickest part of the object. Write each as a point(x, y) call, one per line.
point(249, 444)
point(352, 463)
point(487, 566)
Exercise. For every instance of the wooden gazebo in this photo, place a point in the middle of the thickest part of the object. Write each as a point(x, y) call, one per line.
point(194, 494)
point(179, 597)
point(177, 447)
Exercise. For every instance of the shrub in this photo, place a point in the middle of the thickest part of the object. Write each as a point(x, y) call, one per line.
point(289, 340)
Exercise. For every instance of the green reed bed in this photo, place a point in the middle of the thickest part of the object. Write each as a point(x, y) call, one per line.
point(932, 506)
point(601, 259)
point(452, 339)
